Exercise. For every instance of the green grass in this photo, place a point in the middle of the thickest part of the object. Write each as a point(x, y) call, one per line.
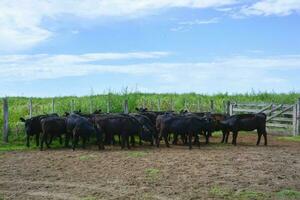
point(219, 192)
point(289, 138)
point(288, 194)
point(152, 173)
point(137, 154)
point(87, 157)
point(250, 195)
point(229, 194)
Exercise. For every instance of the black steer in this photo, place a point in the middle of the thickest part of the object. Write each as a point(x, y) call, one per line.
point(33, 127)
point(245, 122)
point(52, 127)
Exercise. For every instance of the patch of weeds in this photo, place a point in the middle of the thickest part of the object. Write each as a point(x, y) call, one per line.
point(250, 195)
point(152, 173)
point(289, 138)
point(137, 154)
point(14, 147)
point(86, 157)
point(224, 193)
point(288, 194)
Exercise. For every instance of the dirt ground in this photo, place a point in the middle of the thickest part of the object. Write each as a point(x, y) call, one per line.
point(214, 171)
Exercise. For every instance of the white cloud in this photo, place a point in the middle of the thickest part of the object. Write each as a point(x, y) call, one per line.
point(226, 74)
point(200, 21)
point(187, 25)
point(272, 7)
point(21, 21)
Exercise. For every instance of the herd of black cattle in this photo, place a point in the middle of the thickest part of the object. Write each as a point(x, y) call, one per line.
point(149, 126)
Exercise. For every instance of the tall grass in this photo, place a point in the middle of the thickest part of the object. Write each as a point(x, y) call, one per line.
point(19, 106)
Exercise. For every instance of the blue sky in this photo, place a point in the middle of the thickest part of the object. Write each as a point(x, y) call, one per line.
point(72, 47)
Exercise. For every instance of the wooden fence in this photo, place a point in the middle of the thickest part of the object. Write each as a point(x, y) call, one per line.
point(281, 118)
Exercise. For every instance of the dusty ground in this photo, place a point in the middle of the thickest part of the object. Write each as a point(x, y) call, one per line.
point(212, 172)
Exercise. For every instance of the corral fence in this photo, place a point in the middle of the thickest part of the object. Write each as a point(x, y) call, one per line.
point(281, 118)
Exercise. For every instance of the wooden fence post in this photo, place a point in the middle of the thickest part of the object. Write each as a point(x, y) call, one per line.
point(158, 104)
point(298, 117)
point(295, 124)
point(108, 106)
point(228, 108)
point(53, 109)
point(144, 103)
point(212, 105)
point(30, 107)
point(91, 105)
point(5, 120)
point(126, 107)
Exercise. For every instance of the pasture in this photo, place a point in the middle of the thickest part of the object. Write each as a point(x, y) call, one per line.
point(215, 171)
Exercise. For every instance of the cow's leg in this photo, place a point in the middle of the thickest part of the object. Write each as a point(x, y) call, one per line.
point(60, 140)
point(190, 135)
point(132, 140)
point(207, 135)
point(42, 140)
point(67, 138)
point(127, 141)
point(223, 136)
point(166, 139)
point(37, 139)
point(196, 139)
point(140, 140)
point(75, 139)
point(50, 142)
point(123, 141)
point(158, 138)
point(259, 133)
point(227, 136)
point(235, 134)
point(84, 139)
point(264, 132)
point(27, 140)
point(175, 135)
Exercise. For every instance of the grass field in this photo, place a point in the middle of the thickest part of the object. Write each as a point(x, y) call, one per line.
point(19, 106)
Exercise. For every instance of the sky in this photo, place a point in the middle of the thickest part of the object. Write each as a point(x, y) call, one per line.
point(78, 47)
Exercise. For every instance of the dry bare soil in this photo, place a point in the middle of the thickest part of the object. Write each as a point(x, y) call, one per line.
point(214, 171)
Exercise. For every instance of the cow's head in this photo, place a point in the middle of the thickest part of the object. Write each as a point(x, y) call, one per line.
point(97, 111)
point(141, 109)
point(28, 125)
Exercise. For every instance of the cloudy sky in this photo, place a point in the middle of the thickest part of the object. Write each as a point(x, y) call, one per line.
point(73, 47)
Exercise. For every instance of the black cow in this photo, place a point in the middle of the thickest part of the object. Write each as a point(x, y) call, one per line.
point(52, 127)
point(152, 115)
point(245, 122)
point(149, 133)
point(33, 127)
point(81, 127)
point(121, 125)
point(183, 125)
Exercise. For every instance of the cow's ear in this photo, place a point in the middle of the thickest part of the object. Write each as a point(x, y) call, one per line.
point(22, 119)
